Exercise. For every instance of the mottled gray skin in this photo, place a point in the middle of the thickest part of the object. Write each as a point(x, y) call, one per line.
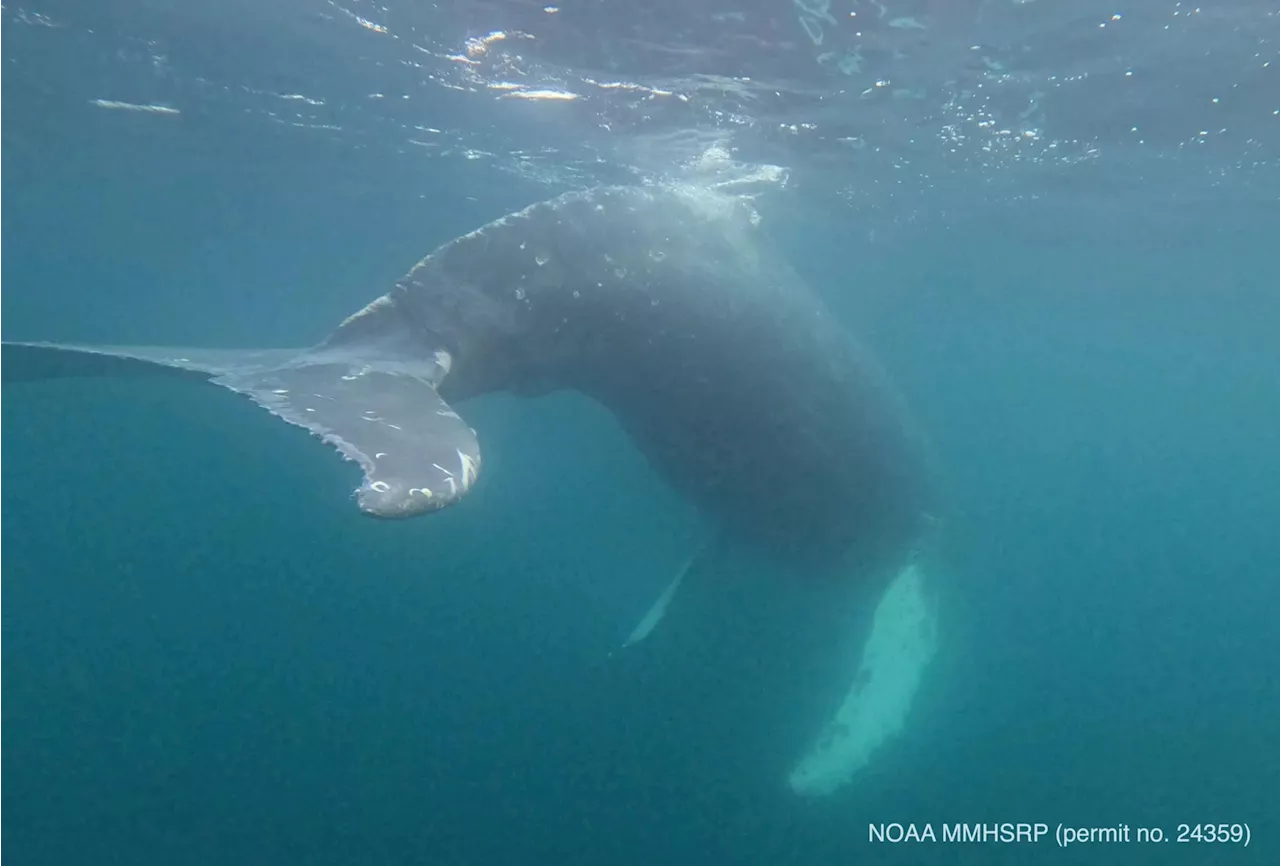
point(671, 309)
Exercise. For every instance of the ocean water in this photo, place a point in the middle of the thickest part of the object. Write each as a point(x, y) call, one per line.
point(210, 657)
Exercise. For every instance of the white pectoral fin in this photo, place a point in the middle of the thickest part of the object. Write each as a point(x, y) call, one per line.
point(659, 608)
point(901, 644)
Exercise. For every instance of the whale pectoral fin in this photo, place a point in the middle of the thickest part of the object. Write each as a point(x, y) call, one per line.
point(658, 609)
point(902, 642)
point(417, 454)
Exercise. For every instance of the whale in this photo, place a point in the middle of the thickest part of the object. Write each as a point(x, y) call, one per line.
point(670, 306)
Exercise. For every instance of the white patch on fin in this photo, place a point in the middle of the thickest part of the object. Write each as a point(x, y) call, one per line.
point(902, 642)
point(444, 361)
point(366, 310)
point(469, 469)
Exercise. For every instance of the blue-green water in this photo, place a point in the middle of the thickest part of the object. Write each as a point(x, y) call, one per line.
point(210, 657)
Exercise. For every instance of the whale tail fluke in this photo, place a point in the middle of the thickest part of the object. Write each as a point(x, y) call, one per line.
point(29, 362)
point(416, 453)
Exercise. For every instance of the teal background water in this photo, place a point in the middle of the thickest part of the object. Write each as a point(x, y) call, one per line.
point(209, 657)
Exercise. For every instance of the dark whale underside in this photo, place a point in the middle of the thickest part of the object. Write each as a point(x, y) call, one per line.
point(666, 305)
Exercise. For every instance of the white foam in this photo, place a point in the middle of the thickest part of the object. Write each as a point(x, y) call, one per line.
point(133, 106)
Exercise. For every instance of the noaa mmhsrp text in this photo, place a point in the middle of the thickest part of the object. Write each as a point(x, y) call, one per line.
point(1064, 835)
point(998, 832)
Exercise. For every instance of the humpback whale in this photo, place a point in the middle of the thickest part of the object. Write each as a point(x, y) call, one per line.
point(668, 305)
